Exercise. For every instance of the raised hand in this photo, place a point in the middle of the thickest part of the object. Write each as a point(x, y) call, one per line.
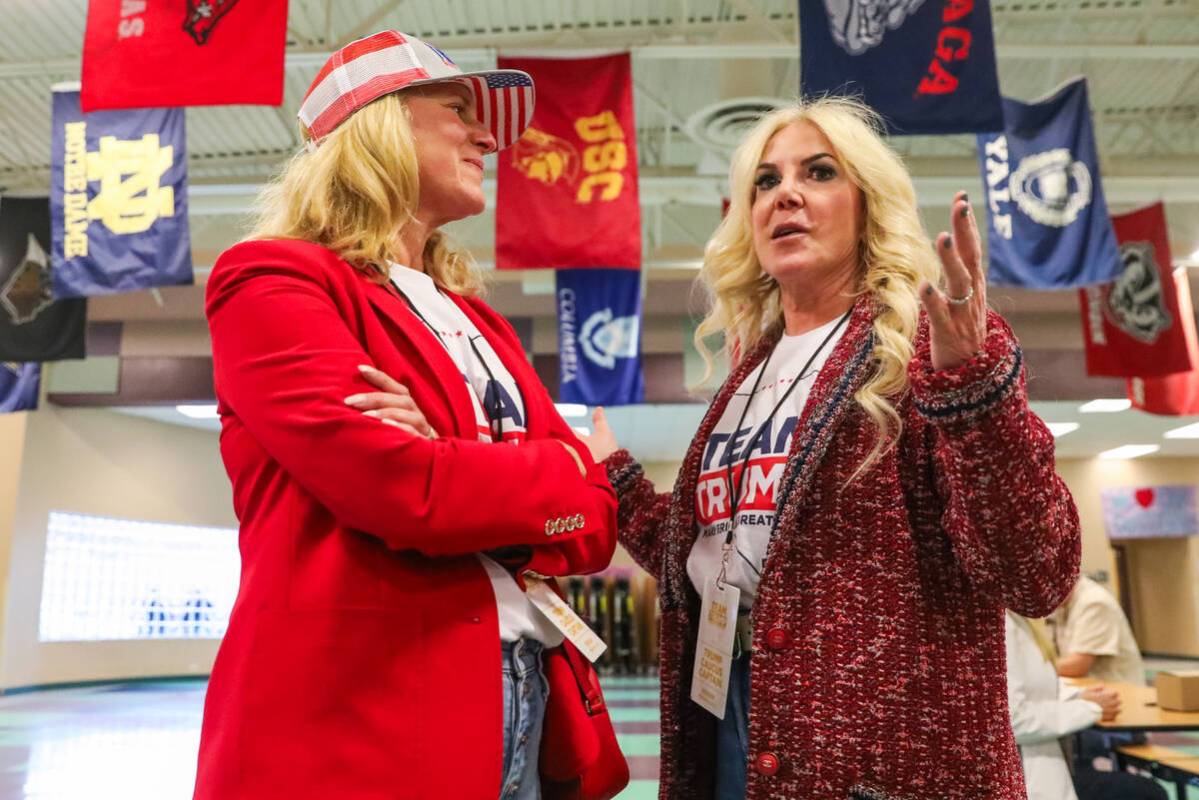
point(392, 405)
point(602, 441)
point(957, 315)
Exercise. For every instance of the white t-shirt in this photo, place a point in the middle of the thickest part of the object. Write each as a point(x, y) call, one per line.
point(767, 459)
point(1091, 621)
point(518, 617)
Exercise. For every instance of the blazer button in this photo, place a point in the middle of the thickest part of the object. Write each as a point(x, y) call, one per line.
point(776, 638)
point(767, 764)
point(549, 527)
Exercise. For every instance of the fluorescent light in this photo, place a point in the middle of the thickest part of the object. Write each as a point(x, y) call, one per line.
point(1106, 406)
point(1195, 257)
point(1185, 432)
point(1061, 428)
point(198, 412)
point(571, 409)
point(581, 430)
point(1129, 451)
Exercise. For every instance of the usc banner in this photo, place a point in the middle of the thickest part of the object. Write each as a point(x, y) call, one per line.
point(138, 54)
point(1177, 394)
point(1132, 326)
point(567, 191)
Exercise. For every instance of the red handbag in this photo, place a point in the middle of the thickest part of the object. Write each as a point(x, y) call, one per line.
point(580, 758)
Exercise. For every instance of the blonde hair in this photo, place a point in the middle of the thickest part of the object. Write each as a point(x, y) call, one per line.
point(355, 193)
point(895, 254)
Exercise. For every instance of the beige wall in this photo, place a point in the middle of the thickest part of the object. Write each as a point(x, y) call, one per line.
point(99, 462)
point(12, 447)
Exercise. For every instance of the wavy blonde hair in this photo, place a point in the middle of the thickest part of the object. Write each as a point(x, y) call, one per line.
point(355, 193)
point(894, 254)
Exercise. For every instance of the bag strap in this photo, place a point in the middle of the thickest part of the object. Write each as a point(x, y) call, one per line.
point(587, 679)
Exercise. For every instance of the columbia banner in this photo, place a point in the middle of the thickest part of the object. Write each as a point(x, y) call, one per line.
point(118, 199)
point(1176, 394)
point(19, 385)
point(1132, 326)
point(599, 337)
point(928, 66)
point(33, 325)
point(567, 191)
point(139, 54)
point(1049, 227)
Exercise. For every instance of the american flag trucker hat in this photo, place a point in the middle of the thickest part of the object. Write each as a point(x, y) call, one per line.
point(388, 61)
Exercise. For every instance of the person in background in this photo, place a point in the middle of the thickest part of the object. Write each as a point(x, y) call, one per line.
point(870, 479)
point(1044, 709)
point(1094, 638)
point(382, 644)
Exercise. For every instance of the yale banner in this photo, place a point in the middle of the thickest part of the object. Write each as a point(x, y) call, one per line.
point(1132, 326)
point(1049, 227)
point(118, 199)
point(33, 325)
point(139, 54)
point(567, 191)
point(927, 66)
point(19, 385)
point(599, 337)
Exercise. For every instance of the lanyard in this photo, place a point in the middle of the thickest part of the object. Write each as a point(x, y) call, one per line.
point(495, 414)
point(735, 490)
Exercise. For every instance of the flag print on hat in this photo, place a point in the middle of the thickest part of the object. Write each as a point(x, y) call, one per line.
point(388, 61)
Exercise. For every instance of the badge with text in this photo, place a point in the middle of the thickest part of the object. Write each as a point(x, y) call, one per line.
point(714, 649)
point(564, 618)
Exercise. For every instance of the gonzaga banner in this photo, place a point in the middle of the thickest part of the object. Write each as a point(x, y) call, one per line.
point(1132, 326)
point(599, 337)
point(567, 191)
point(138, 54)
point(118, 199)
point(1049, 227)
point(19, 386)
point(928, 66)
point(33, 325)
point(1176, 394)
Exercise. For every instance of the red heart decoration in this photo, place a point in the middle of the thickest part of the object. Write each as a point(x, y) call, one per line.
point(1144, 497)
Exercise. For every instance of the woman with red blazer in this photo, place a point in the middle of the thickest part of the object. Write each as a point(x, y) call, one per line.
point(381, 645)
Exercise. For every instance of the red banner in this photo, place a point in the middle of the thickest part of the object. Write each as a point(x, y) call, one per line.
point(138, 54)
point(567, 191)
point(1178, 394)
point(1132, 326)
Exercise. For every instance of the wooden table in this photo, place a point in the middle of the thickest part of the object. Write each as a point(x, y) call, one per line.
point(1139, 710)
point(1173, 766)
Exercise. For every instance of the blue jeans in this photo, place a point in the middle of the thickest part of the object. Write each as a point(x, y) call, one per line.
point(732, 734)
point(525, 692)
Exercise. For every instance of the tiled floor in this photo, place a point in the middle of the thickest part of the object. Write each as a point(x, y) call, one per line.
point(137, 741)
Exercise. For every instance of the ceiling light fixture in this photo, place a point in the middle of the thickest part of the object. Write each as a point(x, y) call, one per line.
point(1061, 428)
point(1129, 451)
point(1106, 406)
point(571, 409)
point(1185, 432)
point(198, 411)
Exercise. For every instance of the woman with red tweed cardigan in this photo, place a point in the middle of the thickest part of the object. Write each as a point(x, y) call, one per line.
point(894, 492)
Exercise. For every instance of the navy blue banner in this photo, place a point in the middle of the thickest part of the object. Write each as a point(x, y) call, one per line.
point(1049, 226)
point(599, 336)
point(118, 199)
point(18, 386)
point(928, 66)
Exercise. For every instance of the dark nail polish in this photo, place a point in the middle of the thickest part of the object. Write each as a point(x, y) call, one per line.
point(928, 291)
point(948, 242)
point(965, 212)
point(965, 197)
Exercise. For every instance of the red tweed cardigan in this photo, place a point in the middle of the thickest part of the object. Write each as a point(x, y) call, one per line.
point(884, 674)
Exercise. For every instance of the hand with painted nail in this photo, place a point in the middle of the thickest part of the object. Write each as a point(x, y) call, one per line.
point(957, 314)
point(392, 405)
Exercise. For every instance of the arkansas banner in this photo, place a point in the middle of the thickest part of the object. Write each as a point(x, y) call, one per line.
point(138, 54)
point(1177, 394)
point(19, 385)
point(33, 325)
point(1049, 227)
point(599, 337)
point(928, 66)
point(118, 199)
point(1132, 326)
point(567, 191)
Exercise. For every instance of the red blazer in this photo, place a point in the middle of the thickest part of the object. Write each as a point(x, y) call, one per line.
point(362, 658)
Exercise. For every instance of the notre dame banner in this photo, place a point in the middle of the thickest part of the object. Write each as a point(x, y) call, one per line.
point(118, 199)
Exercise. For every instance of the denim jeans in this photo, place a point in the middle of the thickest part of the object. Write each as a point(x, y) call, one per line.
point(525, 692)
point(732, 734)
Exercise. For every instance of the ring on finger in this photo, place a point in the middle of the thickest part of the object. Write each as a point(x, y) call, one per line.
point(963, 300)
